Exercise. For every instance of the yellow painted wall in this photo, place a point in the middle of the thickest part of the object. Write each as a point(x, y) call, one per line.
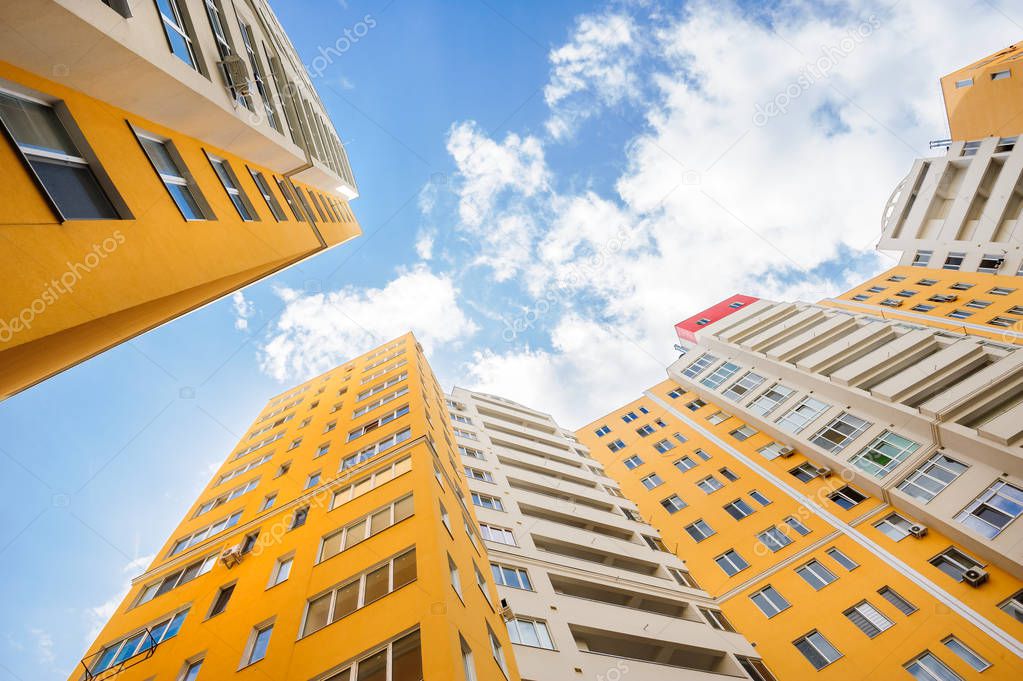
point(148, 269)
point(429, 602)
point(988, 107)
point(880, 658)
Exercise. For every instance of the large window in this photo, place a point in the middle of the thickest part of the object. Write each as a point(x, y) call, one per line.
point(816, 575)
point(895, 526)
point(699, 365)
point(365, 527)
point(868, 619)
point(59, 166)
point(882, 455)
point(399, 660)
point(205, 533)
point(842, 430)
point(360, 591)
point(501, 535)
point(375, 449)
point(993, 510)
point(774, 539)
point(720, 375)
point(927, 667)
point(529, 632)
point(801, 415)
point(175, 28)
point(177, 578)
point(770, 399)
point(769, 601)
point(933, 476)
point(749, 382)
point(1013, 606)
point(258, 76)
point(954, 563)
point(699, 530)
point(138, 643)
point(731, 562)
point(739, 509)
point(817, 650)
point(178, 181)
point(516, 578)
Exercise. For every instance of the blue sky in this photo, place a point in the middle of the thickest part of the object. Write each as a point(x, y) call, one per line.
point(546, 188)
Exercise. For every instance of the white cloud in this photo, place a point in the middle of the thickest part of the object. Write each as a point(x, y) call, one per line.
point(243, 310)
point(424, 243)
point(716, 199)
point(316, 332)
point(43, 646)
point(595, 68)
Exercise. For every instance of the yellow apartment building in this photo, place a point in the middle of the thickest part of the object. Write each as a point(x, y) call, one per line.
point(985, 99)
point(336, 542)
point(202, 162)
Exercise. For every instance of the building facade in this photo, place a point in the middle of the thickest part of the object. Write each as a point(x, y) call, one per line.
point(336, 543)
point(846, 478)
point(592, 590)
point(157, 156)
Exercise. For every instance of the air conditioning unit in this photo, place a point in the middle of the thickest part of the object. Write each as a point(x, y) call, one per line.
point(785, 452)
point(231, 556)
point(824, 472)
point(506, 612)
point(236, 73)
point(918, 530)
point(892, 303)
point(975, 576)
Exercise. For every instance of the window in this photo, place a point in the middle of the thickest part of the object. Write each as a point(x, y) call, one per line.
point(868, 619)
point(743, 433)
point(710, 484)
point(797, 525)
point(651, 481)
point(282, 570)
point(629, 417)
point(454, 577)
point(817, 650)
point(497, 650)
point(179, 183)
point(138, 643)
point(769, 601)
point(860, 297)
point(378, 448)
point(933, 476)
point(728, 474)
point(961, 286)
point(1013, 606)
point(993, 510)
point(654, 543)
point(645, 429)
point(816, 575)
point(683, 578)
point(927, 667)
point(842, 430)
point(260, 640)
point(903, 606)
point(257, 76)
point(882, 455)
point(358, 591)
point(527, 632)
point(954, 261)
point(718, 417)
point(321, 450)
point(906, 293)
point(486, 501)
point(1001, 291)
point(202, 535)
point(268, 195)
point(876, 289)
point(230, 181)
point(805, 472)
point(720, 375)
point(774, 539)
point(685, 464)
point(365, 527)
point(673, 504)
point(765, 403)
point(68, 180)
point(739, 509)
point(496, 534)
point(965, 82)
point(842, 559)
point(178, 38)
point(602, 431)
point(615, 445)
point(699, 365)
point(682, 439)
point(702, 454)
point(222, 599)
point(797, 418)
point(469, 451)
point(759, 497)
point(696, 405)
point(959, 314)
point(966, 654)
point(478, 474)
point(663, 446)
point(313, 480)
point(894, 526)
point(1005, 144)
point(978, 304)
point(176, 579)
point(847, 497)
point(1001, 75)
point(633, 462)
point(1003, 322)
point(676, 393)
point(516, 578)
point(717, 619)
point(954, 563)
point(192, 671)
point(731, 562)
point(922, 307)
point(749, 382)
point(922, 258)
point(756, 669)
point(700, 530)
point(298, 518)
point(468, 663)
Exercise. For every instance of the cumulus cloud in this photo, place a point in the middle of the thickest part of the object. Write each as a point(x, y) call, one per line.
point(424, 243)
point(243, 310)
point(316, 332)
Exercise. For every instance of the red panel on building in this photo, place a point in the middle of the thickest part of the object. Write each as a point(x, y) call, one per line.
point(687, 328)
